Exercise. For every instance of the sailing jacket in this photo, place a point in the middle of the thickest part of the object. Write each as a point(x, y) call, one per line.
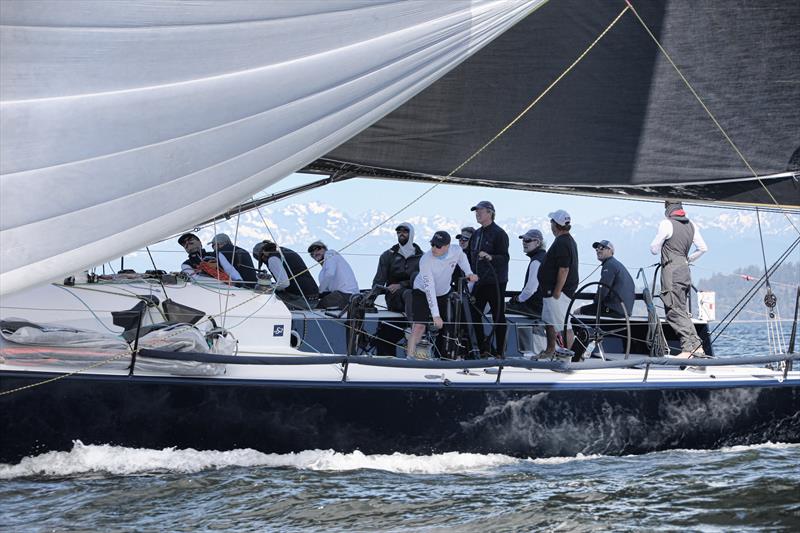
point(394, 268)
point(493, 240)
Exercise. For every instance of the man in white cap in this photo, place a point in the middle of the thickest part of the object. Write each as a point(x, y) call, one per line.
point(337, 282)
point(676, 234)
point(488, 256)
point(529, 300)
point(558, 280)
point(431, 287)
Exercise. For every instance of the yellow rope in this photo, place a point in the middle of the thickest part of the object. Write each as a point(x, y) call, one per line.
point(711, 115)
point(497, 136)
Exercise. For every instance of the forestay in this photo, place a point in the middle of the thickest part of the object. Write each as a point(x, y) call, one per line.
point(125, 122)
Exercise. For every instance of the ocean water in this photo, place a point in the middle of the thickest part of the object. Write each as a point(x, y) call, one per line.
point(106, 488)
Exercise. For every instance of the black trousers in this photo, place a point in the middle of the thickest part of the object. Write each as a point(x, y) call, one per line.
point(494, 295)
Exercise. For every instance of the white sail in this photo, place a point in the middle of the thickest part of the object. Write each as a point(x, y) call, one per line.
point(124, 122)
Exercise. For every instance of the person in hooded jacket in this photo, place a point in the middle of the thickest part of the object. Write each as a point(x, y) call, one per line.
point(529, 300)
point(674, 239)
point(294, 284)
point(397, 268)
point(236, 256)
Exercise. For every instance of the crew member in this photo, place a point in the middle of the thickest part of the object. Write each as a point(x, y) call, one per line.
point(294, 284)
point(236, 256)
point(463, 241)
point(337, 282)
point(204, 264)
point(529, 300)
point(396, 268)
point(558, 280)
point(431, 286)
point(676, 234)
point(619, 299)
point(489, 259)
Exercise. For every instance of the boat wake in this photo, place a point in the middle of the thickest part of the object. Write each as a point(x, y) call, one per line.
point(102, 460)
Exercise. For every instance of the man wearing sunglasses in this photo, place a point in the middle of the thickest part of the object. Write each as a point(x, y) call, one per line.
point(619, 299)
point(431, 287)
point(397, 267)
point(529, 300)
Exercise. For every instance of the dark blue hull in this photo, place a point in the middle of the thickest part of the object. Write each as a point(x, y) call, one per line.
point(281, 417)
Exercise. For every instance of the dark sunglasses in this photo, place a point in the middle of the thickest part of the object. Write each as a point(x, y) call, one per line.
point(526, 241)
point(601, 247)
point(462, 238)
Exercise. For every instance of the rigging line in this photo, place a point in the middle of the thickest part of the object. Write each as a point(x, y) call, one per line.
point(233, 259)
point(711, 115)
point(283, 260)
point(748, 296)
point(491, 141)
point(763, 254)
point(155, 268)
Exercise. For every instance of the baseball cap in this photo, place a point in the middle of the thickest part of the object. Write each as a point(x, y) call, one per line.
point(560, 217)
point(404, 226)
point(466, 233)
point(440, 238)
point(484, 204)
point(220, 239)
point(532, 234)
point(185, 237)
point(605, 243)
point(263, 246)
point(316, 244)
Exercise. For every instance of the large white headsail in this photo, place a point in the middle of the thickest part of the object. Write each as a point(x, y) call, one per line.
point(124, 122)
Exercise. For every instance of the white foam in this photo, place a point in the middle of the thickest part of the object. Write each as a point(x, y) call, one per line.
point(117, 460)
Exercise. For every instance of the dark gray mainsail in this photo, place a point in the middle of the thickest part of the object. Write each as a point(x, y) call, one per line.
point(622, 122)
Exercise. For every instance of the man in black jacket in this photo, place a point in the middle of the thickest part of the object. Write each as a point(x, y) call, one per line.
point(488, 257)
point(294, 284)
point(236, 256)
point(397, 267)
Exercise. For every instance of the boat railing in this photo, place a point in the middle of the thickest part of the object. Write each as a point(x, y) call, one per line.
point(434, 364)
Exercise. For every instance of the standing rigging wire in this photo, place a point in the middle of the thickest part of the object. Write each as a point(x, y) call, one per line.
point(294, 275)
point(158, 275)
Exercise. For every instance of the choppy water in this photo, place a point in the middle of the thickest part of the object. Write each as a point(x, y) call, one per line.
point(104, 488)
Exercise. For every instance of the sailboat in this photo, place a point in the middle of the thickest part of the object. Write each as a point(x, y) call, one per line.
point(125, 124)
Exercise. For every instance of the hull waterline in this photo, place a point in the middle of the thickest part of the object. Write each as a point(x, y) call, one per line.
point(530, 420)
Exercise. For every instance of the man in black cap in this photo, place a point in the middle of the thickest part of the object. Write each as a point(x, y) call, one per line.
point(202, 263)
point(676, 234)
point(431, 287)
point(236, 256)
point(529, 300)
point(294, 284)
point(397, 267)
point(488, 256)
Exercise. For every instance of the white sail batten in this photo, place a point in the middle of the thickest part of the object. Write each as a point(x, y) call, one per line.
point(122, 123)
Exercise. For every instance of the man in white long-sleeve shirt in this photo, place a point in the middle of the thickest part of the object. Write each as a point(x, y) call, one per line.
point(529, 300)
point(337, 282)
point(431, 286)
point(676, 234)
